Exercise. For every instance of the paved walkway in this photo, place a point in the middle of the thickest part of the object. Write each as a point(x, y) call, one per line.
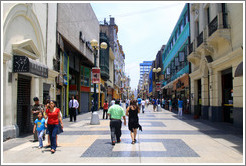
point(165, 139)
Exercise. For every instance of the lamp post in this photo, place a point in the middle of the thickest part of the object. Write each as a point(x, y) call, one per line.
point(122, 86)
point(95, 47)
point(156, 71)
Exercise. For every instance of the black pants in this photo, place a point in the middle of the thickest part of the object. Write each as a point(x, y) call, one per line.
point(115, 128)
point(72, 113)
point(105, 111)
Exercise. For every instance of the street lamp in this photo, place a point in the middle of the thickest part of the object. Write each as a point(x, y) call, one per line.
point(156, 71)
point(122, 86)
point(95, 47)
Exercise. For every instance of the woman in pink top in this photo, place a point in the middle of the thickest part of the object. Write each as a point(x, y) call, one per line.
point(53, 114)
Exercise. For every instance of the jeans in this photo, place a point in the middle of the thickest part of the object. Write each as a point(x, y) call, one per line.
point(115, 128)
point(53, 129)
point(180, 111)
point(105, 111)
point(40, 137)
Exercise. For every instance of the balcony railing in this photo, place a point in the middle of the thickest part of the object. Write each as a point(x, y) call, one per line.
point(199, 39)
point(213, 26)
point(190, 48)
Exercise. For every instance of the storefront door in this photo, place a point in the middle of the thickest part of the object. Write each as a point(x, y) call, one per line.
point(24, 120)
point(227, 96)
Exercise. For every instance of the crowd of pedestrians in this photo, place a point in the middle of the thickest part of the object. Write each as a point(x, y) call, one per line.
point(48, 118)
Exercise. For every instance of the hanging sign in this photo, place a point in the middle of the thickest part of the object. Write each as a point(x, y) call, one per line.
point(95, 75)
point(158, 86)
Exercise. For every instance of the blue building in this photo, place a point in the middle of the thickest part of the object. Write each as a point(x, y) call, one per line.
point(144, 68)
point(175, 64)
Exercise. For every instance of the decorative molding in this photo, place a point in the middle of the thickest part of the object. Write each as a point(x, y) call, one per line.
point(25, 10)
point(6, 57)
point(27, 48)
point(52, 73)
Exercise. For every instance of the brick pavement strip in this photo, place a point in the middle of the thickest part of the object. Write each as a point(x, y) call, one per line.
point(165, 139)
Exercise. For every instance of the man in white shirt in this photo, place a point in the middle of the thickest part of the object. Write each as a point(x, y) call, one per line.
point(143, 105)
point(73, 105)
point(112, 102)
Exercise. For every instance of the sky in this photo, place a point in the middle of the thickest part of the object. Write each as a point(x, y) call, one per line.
point(143, 27)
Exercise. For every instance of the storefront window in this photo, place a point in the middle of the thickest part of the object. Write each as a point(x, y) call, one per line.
point(85, 76)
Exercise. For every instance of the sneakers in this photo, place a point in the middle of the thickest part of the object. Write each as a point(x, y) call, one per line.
point(40, 147)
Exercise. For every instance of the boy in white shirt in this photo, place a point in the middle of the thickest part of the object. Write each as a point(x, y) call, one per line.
point(143, 105)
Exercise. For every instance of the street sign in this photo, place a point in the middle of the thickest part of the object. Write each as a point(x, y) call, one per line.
point(158, 86)
point(95, 75)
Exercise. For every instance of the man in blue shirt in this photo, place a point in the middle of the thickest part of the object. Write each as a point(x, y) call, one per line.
point(139, 102)
point(180, 103)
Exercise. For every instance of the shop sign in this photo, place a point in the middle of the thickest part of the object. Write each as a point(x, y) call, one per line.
point(65, 80)
point(60, 79)
point(158, 86)
point(95, 75)
point(23, 64)
point(179, 84)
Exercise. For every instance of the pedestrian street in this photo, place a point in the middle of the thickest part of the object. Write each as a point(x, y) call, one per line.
point(165, 138)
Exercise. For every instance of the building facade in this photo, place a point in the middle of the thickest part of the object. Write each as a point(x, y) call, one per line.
point(215, 51)
point(175, 63)
point(29, 46)
point(144, 68)
point(77, 25)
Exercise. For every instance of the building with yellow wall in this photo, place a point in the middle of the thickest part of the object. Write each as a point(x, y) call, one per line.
point(216, 49)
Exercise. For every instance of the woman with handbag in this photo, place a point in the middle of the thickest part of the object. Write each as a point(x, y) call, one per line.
point(53, 114)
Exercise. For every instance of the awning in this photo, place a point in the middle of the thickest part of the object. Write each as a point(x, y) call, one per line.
point(239, 70)
point(23, 64)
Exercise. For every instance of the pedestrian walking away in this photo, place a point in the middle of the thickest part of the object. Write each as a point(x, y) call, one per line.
point(170, 104)
point(116, 112)
point(139, 102)
point(53, 114)
point(73, 105)
point(105, 109)
point(143, 105)
point(112, 102)
point(133, 121)
point(36, 108)
point(39, 126)
point(154, 102)
point(180, 103)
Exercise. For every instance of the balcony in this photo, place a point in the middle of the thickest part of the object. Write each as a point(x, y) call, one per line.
point(194, 56)
point(191, 48)
point(104, 72)
point(213, 26)
point(218, 31)
point(199, 39)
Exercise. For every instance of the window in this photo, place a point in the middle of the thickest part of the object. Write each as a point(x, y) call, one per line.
point(197, 28)
point(85, 76)
point(208, 15)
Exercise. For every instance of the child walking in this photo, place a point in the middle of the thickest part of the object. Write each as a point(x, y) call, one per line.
point(39, 124)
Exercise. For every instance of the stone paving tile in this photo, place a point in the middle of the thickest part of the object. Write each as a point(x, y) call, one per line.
point(173, 148)
point(165, 139)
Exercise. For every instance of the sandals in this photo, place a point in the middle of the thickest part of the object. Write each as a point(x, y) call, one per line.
point(52, 151)
point(133, 142)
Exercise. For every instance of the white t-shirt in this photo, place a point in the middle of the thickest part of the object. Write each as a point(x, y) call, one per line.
point(143, 102)
point(112, 102)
